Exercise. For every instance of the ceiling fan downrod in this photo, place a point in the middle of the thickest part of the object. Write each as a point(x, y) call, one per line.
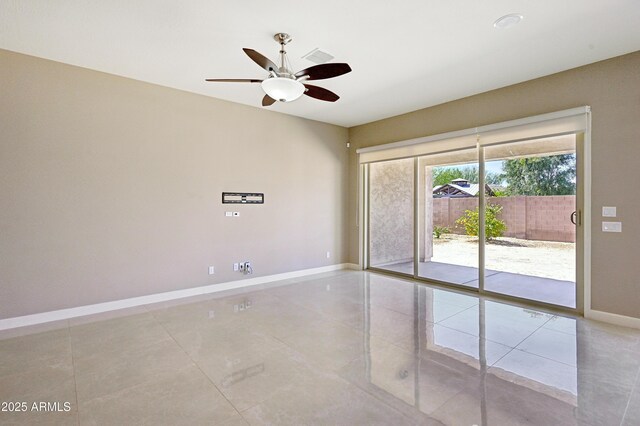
point(283, 39)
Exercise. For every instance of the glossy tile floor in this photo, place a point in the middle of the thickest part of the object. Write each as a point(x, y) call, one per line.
point(346, 348)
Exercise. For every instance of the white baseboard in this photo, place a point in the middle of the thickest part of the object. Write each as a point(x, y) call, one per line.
point(612, 318)
point(63, 314)
point(97, 308)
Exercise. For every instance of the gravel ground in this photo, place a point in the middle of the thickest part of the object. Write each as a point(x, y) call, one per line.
point(547, 259)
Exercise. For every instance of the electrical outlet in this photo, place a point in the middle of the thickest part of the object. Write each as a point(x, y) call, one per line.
point(236, 267)
point(328, 254)
point(228, 214)
point(212, 270)
point(236, 214)
point(243, 306)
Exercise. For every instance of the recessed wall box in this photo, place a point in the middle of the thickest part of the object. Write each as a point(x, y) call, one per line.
point(242, 198)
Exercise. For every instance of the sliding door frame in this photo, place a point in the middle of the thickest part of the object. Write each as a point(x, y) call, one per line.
point(583, 229)
point(580, 228)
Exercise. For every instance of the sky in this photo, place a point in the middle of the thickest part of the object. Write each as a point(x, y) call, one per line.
point(493, 167)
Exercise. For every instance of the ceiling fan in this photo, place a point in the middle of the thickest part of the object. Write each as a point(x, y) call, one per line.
point(284, 85)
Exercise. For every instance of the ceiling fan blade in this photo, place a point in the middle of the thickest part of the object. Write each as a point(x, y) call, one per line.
point(322, 71)
point(234, 80)
point(261, 60)
point(268, 100)
point(320, 93)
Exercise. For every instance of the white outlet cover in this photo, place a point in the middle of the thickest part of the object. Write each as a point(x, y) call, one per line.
point(212, 270)
point(228, 214)
point(328, 254)
point(609, 212)
point(611, 226)
point(235, 267)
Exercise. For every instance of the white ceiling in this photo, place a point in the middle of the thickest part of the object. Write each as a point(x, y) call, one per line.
point(405, 55)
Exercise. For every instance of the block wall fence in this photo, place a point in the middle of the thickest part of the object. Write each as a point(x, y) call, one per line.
point(546, 218)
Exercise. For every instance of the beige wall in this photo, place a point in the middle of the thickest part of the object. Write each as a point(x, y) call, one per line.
point(612, 89)
point(111, 188)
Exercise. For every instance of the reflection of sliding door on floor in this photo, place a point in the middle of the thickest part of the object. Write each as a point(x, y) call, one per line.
point(531, 246)
point(447, 199)
point(391, 215)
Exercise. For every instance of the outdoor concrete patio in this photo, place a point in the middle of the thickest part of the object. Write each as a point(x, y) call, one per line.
point(547, 290)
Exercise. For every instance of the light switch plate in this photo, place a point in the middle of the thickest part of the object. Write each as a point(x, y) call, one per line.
point(608, 212)
point(611, 226)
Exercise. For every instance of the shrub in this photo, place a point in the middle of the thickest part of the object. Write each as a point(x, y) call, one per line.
point(439, 230)
point(494, 227)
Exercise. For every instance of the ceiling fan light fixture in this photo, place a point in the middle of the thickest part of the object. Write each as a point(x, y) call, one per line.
point(283, 89)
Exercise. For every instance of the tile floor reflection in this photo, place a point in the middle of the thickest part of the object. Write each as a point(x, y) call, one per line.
point(345, 348)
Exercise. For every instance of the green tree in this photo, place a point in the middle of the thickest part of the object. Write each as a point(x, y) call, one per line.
point(444, 175)
point(553, 175)
point(494, 227)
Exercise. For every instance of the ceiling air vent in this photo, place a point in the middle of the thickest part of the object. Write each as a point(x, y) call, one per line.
point(317, 56)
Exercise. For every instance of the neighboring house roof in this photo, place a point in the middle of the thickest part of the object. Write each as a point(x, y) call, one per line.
point(495, 187)
point(453, 190)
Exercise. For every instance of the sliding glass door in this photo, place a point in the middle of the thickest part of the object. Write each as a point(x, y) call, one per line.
point(497, 218)
point(531, 217)
point(391, 215)
point(448, 197)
